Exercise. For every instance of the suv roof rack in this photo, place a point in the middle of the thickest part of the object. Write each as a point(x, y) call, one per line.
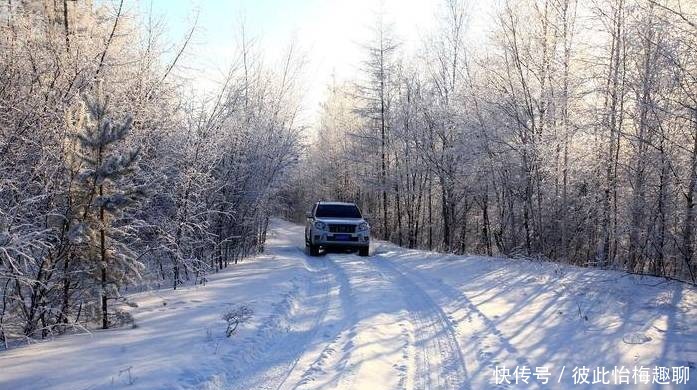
point(332, 202)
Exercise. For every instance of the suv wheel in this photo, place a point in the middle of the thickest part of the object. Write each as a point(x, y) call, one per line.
point(363, 251)
point(313, 249)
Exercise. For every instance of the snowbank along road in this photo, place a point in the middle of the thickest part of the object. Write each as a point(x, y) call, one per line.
point(399, 319)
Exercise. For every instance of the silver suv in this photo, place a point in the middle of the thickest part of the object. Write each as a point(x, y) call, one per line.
point(336, 225)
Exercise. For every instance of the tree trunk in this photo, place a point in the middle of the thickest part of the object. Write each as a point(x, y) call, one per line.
point(102, 249)
point(446, 214)
point(688, 250)
point(485, 222)
point(430, 214)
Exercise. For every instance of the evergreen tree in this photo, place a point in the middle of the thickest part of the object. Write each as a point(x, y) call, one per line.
point(105, 189)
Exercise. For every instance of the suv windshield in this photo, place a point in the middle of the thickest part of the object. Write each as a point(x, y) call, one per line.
point(337, 211)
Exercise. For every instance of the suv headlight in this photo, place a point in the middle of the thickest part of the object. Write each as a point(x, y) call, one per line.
point(320, 225)
point(363, 226)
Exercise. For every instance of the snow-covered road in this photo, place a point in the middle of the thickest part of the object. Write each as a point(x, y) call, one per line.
point(399, 319)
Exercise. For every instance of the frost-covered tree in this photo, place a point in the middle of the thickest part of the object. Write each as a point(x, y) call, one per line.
point(376, 93)
point(105, 189)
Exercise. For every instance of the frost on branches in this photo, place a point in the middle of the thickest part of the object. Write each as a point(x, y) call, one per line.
point(104, 188)
point(142, 185)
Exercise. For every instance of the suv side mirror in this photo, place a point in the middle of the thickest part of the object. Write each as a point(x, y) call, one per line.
point(308, 214)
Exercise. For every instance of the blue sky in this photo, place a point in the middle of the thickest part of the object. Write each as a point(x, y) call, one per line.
point(328, 31)
point(219, 18)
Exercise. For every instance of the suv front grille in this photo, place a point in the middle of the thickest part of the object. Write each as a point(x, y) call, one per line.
point(349, 239)
point(337, 228)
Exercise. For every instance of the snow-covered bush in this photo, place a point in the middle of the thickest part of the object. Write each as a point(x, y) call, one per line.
point(235, 317)
point(122, 318)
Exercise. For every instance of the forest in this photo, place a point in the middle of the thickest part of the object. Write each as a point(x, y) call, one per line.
point(570, 136)
point(567, 134)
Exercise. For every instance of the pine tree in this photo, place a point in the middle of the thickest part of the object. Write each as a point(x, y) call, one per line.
point(105, 189)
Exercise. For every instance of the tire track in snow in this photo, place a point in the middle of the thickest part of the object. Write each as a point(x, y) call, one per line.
point(249, 351)
point(283, 345)
point(323, 310)
point(342, 333)
point(491, 345)
point(439, 360)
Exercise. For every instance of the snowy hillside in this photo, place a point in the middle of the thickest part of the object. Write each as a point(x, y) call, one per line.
point(396, 319)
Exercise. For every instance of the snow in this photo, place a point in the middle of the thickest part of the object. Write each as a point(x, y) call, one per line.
point(397, 319)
